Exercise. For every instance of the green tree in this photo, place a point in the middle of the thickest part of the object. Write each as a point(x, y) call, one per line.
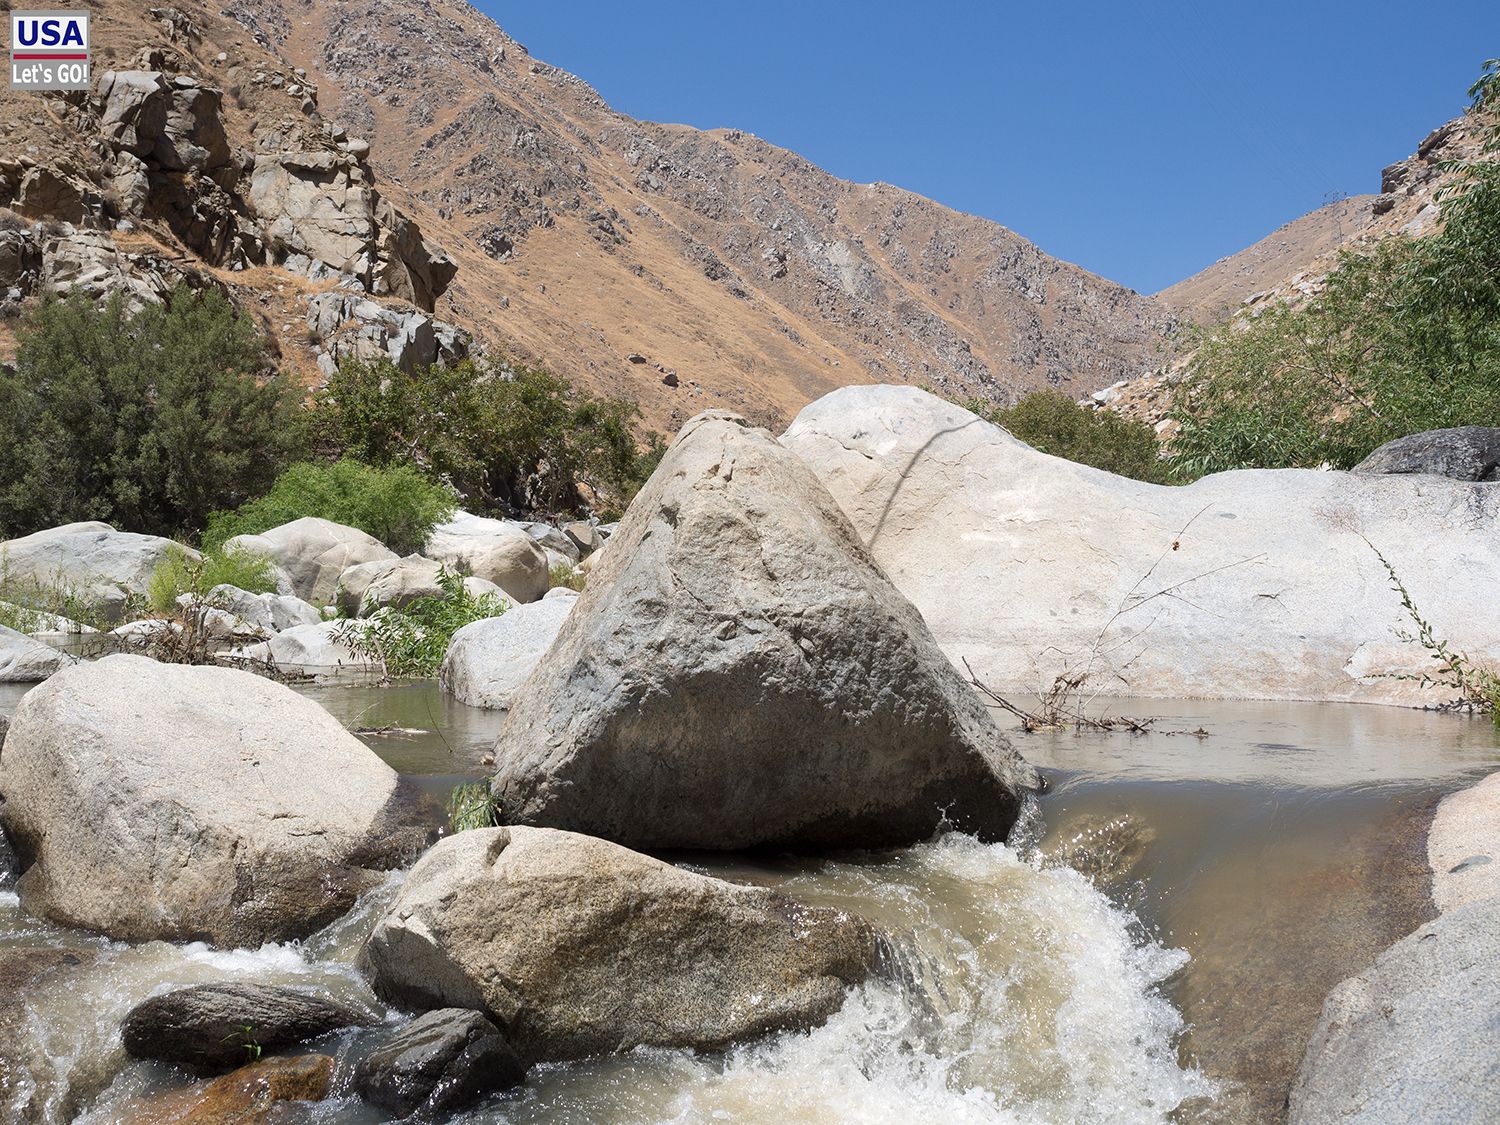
point(504, 436)
point(148, 420)
point(1053, 423)
point(1404, 337)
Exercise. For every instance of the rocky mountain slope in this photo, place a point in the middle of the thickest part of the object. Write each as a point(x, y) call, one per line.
point(1292, 263)
point(370, 146)
point(1211, 295)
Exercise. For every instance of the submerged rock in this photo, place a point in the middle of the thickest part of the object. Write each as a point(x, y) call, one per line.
point(193, 803)
point(316, 650)
point(1253, 584)
point(1463, 453)
point(1413, 1037)
point(487, 661)
point(218, 1026)
point(500, 552)
point(314, 553)
point(438, 1063)
point(24, 660)
point(252, 1095)
point(575, 946)
point(92, 561)
point(739, 672)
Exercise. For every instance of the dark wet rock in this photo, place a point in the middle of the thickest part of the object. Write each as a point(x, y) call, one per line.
point(1463, 453)
point(1413, 1037)
point(438, 1063)
point(218, 1026)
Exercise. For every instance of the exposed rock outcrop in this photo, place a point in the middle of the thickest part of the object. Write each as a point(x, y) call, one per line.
point(487, 661)
point(739, 672)
point(317, 204)
point(576, 947)
point(229, 808)
point(1252, 584)
point(1463, 453)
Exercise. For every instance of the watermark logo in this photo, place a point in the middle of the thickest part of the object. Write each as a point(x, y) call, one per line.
point(49, 50)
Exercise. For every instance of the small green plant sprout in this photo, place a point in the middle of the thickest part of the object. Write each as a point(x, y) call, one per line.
point(1476, 687)
point(244, 1037)
point(471, 805)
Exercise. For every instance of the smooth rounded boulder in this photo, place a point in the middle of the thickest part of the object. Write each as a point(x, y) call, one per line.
point(487, 661)
point(739, 672)
point(314, 553)
point(90, 560)
point(25, 660)
point(1413, 1036)
point(578, 947)
point(1254, 584)
point(150, 800)
point(500, 552)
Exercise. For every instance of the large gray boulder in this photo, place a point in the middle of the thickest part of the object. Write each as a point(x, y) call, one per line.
point(488, 660)
point(1251, 584)
point(395, 583)
point(91, 561)
point(271, 612)
point(193, 803)
point(317, 649)
point(575, 947)
point(500, 552)
point(1463, 453)
point(1414, 1037)
point(27, 661)
point(218, 1026)
point(314, 553)
point(740, 672)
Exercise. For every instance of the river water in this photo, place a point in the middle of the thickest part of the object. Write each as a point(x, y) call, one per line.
point(1154, 948)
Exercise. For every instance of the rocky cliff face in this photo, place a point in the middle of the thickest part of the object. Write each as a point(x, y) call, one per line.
point(379, 146)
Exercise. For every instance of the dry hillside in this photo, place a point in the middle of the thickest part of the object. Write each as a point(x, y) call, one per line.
point(680, 267)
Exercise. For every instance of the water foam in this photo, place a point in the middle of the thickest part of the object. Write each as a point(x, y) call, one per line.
point(1028, 1000)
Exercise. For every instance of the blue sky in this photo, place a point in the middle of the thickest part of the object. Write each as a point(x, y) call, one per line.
point(1141, 140)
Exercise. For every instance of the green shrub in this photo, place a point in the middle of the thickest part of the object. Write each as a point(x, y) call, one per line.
point(397, 505)
point(180, 573)
point(1404, 337)
point(148, 420)
point(412, 641)
point(561, 574)
point(471, 805)
point(1053, 423)
point(505, 436)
